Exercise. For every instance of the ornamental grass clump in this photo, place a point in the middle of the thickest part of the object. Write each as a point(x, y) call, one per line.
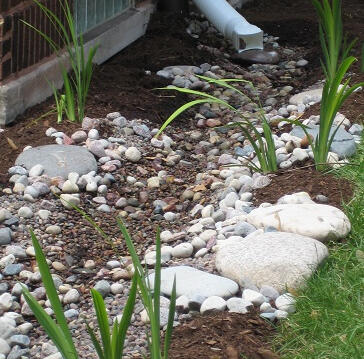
point(76, 82)
point(263, 144)
point(108, 341)
point(336, 64)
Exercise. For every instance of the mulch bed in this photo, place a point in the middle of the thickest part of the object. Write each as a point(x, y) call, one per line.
point(337, 190)
point(223, 336)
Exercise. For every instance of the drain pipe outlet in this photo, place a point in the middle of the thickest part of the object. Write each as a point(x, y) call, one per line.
point(231, 24)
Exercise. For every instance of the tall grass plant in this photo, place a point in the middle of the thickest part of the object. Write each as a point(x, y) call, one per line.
point(77, 81)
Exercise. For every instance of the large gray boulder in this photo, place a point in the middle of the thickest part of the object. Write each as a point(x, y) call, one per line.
point(58, 160)
point(191, 282)
point(277, 259)
point(343, 143)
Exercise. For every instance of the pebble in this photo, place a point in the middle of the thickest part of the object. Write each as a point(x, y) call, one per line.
point(54, 229)
point(5, 236)
point(254, 297)
point(182, 250)
point(286, 302)
point(103, 287)
point(72, 296)
point(213, 304)
point(25, 212)
point(133, 154)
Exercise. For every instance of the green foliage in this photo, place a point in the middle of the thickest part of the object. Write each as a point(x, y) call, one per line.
point(112, 341)
point(336, 64)
point(77, 83)
point(263, 144)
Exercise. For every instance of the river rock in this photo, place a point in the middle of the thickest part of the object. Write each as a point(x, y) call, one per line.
point(191, 281)
point(58, 160)
point(343, 143)
point(319, 221)
point(276, 259)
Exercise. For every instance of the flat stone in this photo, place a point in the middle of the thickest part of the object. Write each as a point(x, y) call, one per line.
point(318, 221)
point(306, 97)
point(256, 57)
point(5, 236)
point(191, 281)
point(58, 160)
point(343, 143)
point(276, 259)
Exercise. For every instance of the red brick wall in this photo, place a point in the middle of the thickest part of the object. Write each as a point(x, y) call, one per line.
point(20, 46)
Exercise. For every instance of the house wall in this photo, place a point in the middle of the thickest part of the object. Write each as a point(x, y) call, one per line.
point(20, 46)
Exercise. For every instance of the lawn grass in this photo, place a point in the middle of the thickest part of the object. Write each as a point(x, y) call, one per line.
point(329, 321)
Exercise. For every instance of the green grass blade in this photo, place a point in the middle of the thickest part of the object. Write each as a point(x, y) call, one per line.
point(180, 110)
point(126, 318)
point(51, 290)
point(95, 342)
point(52, 329)
point(157, 280)
point(102, 321)
point(172, 310)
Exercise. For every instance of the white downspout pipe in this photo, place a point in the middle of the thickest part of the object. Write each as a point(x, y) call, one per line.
point(231, 24)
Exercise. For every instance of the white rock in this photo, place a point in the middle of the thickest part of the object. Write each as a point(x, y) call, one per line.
point(318, 221)
point(300, 154)
point(286, 302)
point(198, 243)
point(196, 228)
point(68, 199)
point(252, 296)
point(281, 314)
point(207, 211)
point(276, 259)
point(36, 171)
point(238, 305)
point(133, 154)
point(183, 250)
point(266, 308)
point(54, 229)
point(213, 304)
point(116, 288)
point(296, 198)
point(153, 182)
point(6, 301)
point(201, 252)
point(191, 281)
point(72, 296)
point(208, 234)
point(25, 212)
point(70, 187)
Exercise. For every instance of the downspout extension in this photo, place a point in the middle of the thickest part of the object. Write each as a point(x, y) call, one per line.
point(232, 25)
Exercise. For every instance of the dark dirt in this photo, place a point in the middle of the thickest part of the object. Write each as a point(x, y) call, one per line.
point(223, 336)
point(337, 190)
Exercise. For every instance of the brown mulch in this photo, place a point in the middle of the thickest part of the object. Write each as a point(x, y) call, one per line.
point(223, 336)
point(337, 190)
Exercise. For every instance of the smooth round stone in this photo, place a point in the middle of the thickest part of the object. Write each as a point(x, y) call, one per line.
point(72, 296)
point(103, 287)
point(286, 302)
point(44, 214)
point(68, 200)
point(198, 243)
point(16, 251)
point(25, 212)
point(238, 305)
point(133, 154)
point(183, 250)
point(58, 160)
point(116, 288)
point(256, 57)
point(5, 236)
point(213, 304)
point(13, 269)
point(36, 170)
point(201, 252)
point(71, 313)
point(254, 297)
point(70, 187)
point(54, 229)
point(93, 134)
